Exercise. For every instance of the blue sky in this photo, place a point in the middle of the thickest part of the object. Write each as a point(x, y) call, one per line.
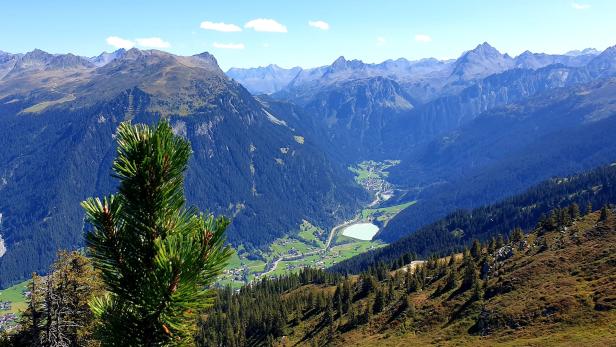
point(258, 32)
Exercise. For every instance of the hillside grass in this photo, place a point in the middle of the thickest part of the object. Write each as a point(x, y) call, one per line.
point(556, 289)
point(15, 296)
point(384, 214)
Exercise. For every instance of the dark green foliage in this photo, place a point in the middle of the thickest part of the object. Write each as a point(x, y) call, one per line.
point(379, 301)
point(455, 295)
point(259, 312)
point(476, 248)
point(470, 274)
point(604, 213)
point(156, 257)
point(517, 235)
point(451, 280)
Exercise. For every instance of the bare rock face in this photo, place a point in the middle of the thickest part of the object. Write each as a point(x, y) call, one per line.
point(504, 253)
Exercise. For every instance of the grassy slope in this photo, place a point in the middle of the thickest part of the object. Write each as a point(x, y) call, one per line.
point(564, 295)
point(14, 295)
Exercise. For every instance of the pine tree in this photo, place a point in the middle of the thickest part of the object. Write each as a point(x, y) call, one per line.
point(492, 245)
point(156, 256)
point(367, 313)
point(604, 213)
point(574, 211)
point(412, 283)
point(477, 291)
point(347, 295)
point(517, 235)
point(452, 259)
point(450, 280)
point(379, 301)
point(328, 320)
point(32, 320)
point(500, 242)
point(476, 249)
point(471, 275)
point(338, 300)
point(409, 306)
point(391, 293)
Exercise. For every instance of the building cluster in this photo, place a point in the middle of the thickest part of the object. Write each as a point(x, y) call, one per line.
point(8, 321)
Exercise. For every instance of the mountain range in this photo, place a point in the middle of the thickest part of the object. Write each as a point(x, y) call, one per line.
point(490, 126)
point(58, 115)
point(272, 146)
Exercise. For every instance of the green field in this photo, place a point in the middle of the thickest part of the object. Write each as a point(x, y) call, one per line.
point(308, 241)
point(384, 214)
point(335, 255)
point(15, 296)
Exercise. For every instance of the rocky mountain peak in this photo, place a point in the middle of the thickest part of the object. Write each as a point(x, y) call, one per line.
point(105, 58)
point(207, 59)
point(481, 61)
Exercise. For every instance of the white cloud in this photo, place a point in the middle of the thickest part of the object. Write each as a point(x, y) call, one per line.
point(223, 27)
point(153, 42)
point(580, 6)
point(265, 25)
point(380, 41)
point(119, 42)
point(422, 38)
point(229, 45)
point(319, 24)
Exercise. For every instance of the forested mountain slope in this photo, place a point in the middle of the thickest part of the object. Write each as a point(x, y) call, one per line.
point(506, 150)
point(57, 141)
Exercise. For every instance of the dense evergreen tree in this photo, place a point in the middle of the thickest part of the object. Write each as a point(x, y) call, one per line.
point(379, 301)
point(476, 249)
point(156, 256)
point(517, 235)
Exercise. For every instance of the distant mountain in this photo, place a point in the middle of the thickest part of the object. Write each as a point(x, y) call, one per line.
point(264, 80)
point(585, 51)
point(427, 79)
point(7, 62)
point(57, 141)
point(449, 112)
point(355, 115)
point(25, 73)
point(105, 58)
point(401, 70)
point(604, 64)
point(506, 149)
point(41, 60)
point(482, 61)
point(528, 60)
